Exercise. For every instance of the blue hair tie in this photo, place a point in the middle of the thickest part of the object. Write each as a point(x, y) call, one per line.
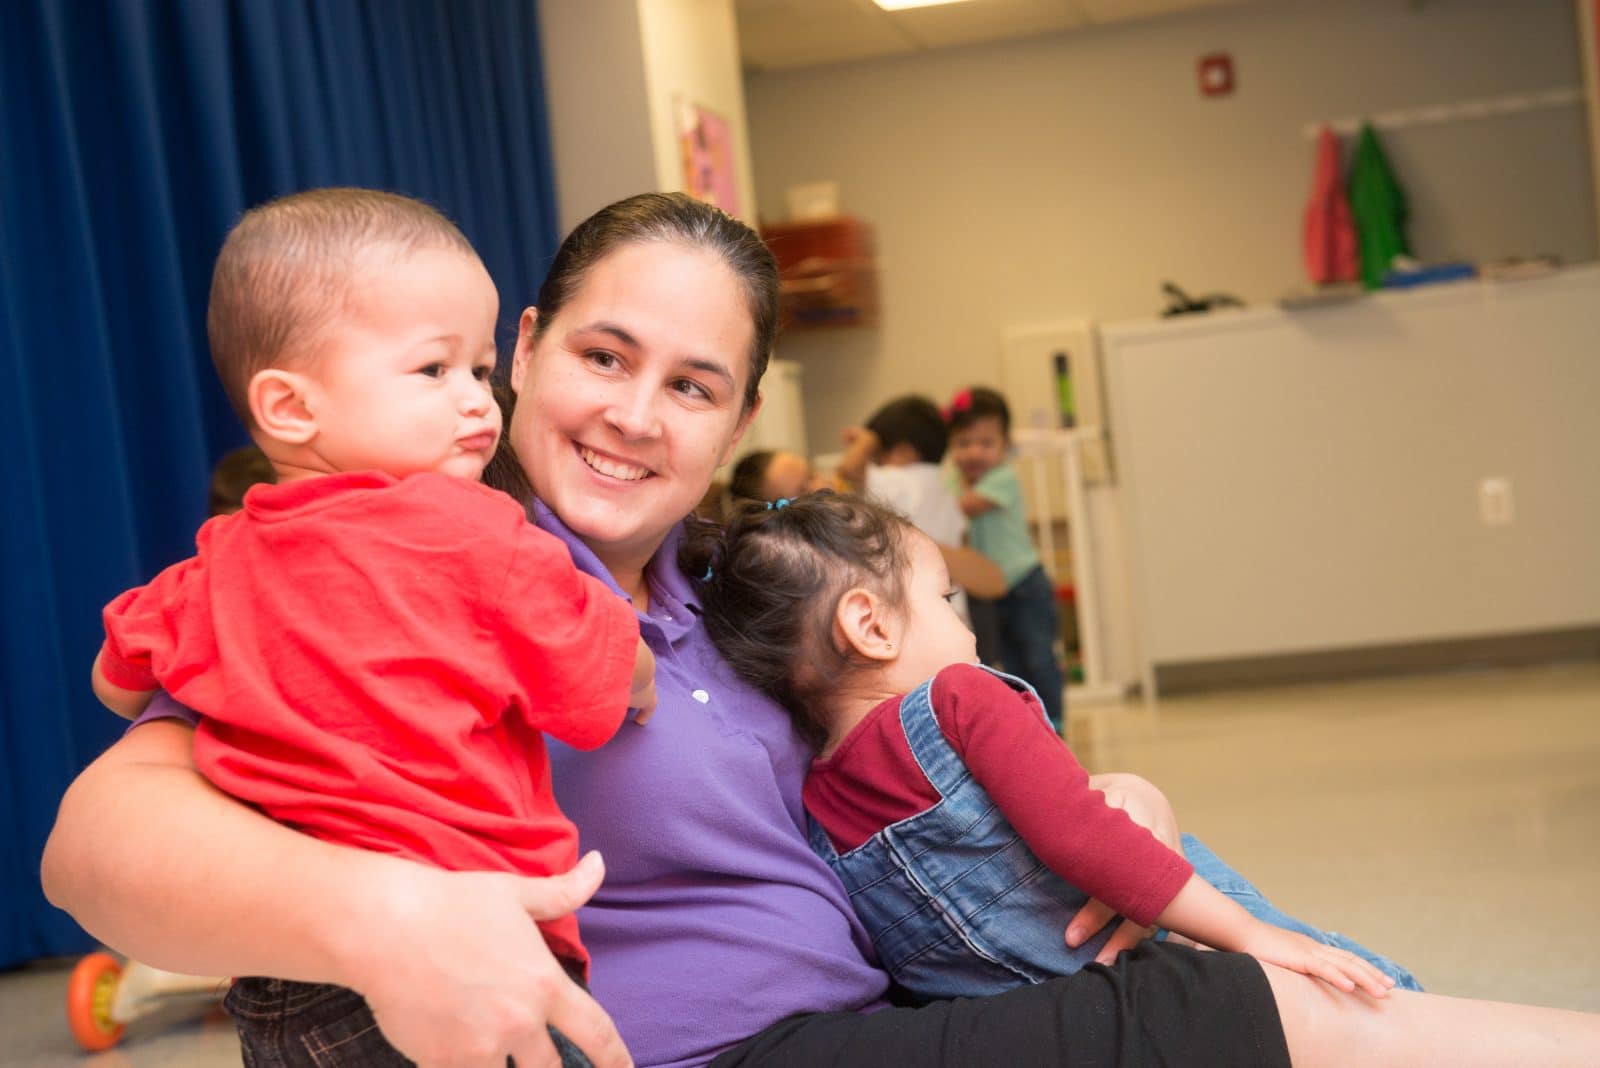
point(707, 576)
point(781, 502)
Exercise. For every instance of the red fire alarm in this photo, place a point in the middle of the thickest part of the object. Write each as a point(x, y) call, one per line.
point(1216, 74)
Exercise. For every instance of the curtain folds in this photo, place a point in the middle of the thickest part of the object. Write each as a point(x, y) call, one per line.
point(132, 135)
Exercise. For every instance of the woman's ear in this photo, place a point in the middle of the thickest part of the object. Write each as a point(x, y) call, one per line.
point(278, 404)
point(738, 431)
point(867, 624)
point(524, 350)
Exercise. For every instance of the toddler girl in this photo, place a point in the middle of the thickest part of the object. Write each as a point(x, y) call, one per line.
point(966, 833)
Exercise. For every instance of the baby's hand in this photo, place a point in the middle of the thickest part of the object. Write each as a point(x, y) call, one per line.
point(1334, 966)
point(644, 702)
point(643, 694)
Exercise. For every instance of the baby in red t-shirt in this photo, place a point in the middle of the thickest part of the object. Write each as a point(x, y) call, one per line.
point(377, 644)
point(967, 834)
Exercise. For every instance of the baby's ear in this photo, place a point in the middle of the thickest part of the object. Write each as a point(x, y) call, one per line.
point(278, 404)
point(866, 624)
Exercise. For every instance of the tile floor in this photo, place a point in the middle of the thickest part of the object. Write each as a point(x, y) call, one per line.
point(1449, 821)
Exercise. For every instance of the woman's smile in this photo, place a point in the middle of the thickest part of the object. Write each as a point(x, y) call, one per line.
point(610, 466)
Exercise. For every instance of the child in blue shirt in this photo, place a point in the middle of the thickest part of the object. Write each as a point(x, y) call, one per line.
point(991, 499)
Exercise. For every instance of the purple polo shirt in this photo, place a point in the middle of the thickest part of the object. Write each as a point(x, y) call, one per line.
point(715, 919)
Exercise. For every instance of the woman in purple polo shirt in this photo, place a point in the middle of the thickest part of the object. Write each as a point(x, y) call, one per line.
point(717, 936)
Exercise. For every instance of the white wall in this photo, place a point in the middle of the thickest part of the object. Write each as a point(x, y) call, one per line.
point(1036, 180)
point(600, 130)
point(614, 72)
point(691, 53)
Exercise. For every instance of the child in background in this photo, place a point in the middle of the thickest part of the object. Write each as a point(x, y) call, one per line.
point(894, 459)
point(966, 833)
point(768, 474)
point(377, 644)
point(1026, 617)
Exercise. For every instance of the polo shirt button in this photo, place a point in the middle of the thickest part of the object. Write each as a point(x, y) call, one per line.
point(701, 696)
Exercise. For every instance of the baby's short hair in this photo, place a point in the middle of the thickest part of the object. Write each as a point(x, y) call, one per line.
point(284, 272)
point(914, 420)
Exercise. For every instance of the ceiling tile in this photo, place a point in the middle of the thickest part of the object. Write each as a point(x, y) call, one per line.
point(1117, 10)
point(779, 34)
point(785, 34)
point(987, 20)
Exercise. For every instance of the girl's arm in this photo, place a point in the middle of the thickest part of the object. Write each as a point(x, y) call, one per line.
point(1205, 914)
point(1070, 826)
point(152, 859)
point(860, 446)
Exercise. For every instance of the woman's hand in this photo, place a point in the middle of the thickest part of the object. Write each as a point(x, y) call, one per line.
point(1149, 808)
point(152, 859)
point(462, 978)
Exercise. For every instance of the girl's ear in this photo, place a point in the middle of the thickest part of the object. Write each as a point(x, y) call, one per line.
point(867, 624)
point(278, 404)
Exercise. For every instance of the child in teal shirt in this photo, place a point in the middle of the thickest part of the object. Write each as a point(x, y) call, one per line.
point(991, 499)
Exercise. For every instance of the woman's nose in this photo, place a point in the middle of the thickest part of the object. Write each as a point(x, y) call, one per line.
point(634, 414)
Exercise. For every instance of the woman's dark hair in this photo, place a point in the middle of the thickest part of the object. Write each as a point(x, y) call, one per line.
point(976, 403)
point(648, 217)
point(680, 218)
point(750, 475)
point(235, 473)
point(504, 470)
point(915, 420)
point(774, 578)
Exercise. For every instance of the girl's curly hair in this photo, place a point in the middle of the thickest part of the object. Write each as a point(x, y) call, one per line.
point(770, 581)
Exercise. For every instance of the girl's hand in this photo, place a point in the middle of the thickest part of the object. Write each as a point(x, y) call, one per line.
point(458, 976)
point(1298, 953)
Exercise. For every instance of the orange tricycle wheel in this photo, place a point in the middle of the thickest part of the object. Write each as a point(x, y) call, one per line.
point(89, 995)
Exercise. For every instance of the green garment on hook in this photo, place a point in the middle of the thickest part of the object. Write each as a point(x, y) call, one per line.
point(1379, 207)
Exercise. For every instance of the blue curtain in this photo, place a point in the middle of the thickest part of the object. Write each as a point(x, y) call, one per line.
point(132, 135)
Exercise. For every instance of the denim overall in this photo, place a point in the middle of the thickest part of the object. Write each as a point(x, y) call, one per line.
point(959, 906)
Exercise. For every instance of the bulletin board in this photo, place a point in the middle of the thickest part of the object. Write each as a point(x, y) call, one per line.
point(1589, 31)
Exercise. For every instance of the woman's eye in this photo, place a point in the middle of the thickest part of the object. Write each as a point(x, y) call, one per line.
point(602, 359)
point(432, 370)
point(950, 594)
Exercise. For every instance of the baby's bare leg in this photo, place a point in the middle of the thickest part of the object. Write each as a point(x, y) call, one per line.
point(1327, 1027)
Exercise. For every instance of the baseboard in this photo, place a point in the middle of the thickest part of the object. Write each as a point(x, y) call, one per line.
point(1508, 650)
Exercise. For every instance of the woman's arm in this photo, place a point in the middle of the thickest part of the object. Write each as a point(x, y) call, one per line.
point(974, 572)
point(149, 857)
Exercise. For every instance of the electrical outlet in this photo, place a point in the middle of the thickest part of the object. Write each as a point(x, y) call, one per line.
point(1494, 502)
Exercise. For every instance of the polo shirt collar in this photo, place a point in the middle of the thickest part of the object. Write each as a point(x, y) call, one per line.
point(668, 584)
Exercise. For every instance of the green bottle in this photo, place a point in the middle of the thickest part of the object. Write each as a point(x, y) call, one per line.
point(1069, 414)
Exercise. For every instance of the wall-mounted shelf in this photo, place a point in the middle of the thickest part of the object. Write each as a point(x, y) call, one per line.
point(1512, 104)
point(827, 271)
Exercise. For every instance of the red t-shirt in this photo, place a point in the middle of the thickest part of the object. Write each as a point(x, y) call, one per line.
point(375, 662)
point(871, 781)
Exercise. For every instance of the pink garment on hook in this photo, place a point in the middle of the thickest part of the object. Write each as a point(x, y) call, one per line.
point(1331, 254)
